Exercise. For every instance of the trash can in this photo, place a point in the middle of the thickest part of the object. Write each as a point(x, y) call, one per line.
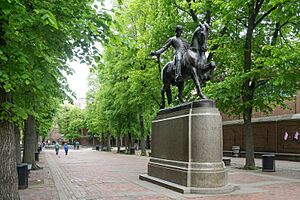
point(22, 175)
point(268, 163)
point(97, 147)
point(36, 156)
point(132, 150)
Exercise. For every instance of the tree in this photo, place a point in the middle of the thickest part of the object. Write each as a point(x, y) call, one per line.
point(71, 120)
point(257, 60)
point(125, 78)
point(129, 80)
point(36, 40)
point(254, 46)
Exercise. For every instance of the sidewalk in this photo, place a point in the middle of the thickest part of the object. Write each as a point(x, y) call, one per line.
point(40, 183)
point(90, 175)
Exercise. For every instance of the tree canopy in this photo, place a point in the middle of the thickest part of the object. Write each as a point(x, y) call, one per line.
point(37, 38)
point(254, 43)
point(71, 120)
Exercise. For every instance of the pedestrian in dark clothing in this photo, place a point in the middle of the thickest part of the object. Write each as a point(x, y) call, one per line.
point(56, 146)
point(66, 147)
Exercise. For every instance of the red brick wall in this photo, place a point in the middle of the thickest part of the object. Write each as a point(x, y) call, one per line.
point(290, 145)
point(298, 102)
point(279, 111)
point(268, 136)
point(232, 136)
point(293, 105)
point(87, 141)
point(229, 118)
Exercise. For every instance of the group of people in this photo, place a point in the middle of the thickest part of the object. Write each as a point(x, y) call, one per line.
point(66, 147)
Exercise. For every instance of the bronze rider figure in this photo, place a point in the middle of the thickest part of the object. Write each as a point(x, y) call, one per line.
point(180, 46)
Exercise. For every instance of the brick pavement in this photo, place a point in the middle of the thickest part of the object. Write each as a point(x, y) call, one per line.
point(91, 175)
point(40, 183)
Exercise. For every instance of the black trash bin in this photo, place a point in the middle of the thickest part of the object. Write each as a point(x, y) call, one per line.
point(97, 147)
point(36, 156)
point(132, 150)
point(268, 163)
point(23, 175)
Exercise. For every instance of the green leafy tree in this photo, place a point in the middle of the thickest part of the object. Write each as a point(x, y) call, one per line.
point(36, 40)
point(255, 44)
point(71, 120)
point(126, 79)
point(257, 59)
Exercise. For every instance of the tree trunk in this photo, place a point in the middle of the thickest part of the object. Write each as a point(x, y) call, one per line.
point(8, 167)
point(118, 143)
point(102, 141)
point(249, 143)
point(148, 146)
point(129, 142)
point(142, 128)
point(108, 142)
point(30, 142)
point(17, 140)
point(126, 143)
point(248, 89)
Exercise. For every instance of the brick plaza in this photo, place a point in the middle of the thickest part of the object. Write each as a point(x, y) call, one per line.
point(89, 175)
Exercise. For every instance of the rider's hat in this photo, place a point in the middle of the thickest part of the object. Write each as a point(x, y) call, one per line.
point(178, 28)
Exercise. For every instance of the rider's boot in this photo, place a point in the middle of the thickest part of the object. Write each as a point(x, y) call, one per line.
point(178, 76)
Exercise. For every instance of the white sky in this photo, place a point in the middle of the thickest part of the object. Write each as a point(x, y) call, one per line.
point(78, 81)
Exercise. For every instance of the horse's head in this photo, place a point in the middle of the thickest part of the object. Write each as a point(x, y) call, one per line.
point(202, 36)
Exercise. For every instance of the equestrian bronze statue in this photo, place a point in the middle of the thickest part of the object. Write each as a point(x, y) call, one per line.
point(190, 63)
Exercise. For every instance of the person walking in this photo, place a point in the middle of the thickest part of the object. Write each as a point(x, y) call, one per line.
point(77, 145)
point(56, 147)
point(66, 147)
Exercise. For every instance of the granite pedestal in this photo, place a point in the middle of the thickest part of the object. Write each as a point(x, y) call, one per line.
point(187, 149)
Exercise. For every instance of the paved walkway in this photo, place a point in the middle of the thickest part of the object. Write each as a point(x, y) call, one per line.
point(90, 175)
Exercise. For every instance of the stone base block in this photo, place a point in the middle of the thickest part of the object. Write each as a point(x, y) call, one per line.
point(186, 149)
point(188, 190)
point(204, 175)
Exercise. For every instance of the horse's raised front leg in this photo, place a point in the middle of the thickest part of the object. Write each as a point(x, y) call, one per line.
point(180, 87)
point(212, 66)
point(197, 83)
point(208, 68)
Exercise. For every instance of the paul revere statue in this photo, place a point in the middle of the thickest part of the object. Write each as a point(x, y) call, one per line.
point(180, 46)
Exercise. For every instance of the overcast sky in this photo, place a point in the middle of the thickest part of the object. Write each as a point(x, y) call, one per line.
point(78, 81)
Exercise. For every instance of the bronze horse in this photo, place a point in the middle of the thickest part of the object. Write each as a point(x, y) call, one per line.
point(194, 66)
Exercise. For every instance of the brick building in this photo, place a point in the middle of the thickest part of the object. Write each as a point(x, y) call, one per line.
point(276, 132)
point(87, 140)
